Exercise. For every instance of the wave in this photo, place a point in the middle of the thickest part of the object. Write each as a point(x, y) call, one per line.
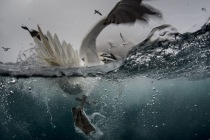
point(165, 53)
point(171, 54)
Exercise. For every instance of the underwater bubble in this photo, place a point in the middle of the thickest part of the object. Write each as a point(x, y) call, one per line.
point(13, 81)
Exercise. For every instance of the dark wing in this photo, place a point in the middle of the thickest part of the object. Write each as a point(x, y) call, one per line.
point(81, 121)
point(33, 33)
point(128, 11)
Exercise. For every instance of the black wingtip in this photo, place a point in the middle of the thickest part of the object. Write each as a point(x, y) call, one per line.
point(24, 27)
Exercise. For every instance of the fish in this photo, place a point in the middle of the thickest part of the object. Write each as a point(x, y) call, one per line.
point(80, 118)
point(81, 121)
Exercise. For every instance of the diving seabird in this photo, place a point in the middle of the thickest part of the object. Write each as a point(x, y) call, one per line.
point(125, 11)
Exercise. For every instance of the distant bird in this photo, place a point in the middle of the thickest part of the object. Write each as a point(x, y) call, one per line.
point(204, 9)
point(97, 12)
point(122, 37)
point(124, 42)
point(111, 45)
point(5, 49)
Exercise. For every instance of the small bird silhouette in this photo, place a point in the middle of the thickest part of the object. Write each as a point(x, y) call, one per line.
point(5, 49)
point(97, 12)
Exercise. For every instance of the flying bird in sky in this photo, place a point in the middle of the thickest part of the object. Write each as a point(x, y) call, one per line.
point(5, 49)
point(97, 12)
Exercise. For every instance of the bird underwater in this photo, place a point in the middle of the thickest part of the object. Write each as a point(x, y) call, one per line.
point(54, 53)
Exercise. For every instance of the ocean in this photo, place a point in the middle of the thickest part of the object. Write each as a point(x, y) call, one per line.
point(160, 91)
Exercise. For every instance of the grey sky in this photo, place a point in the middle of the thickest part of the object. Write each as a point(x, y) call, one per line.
point(72, 19)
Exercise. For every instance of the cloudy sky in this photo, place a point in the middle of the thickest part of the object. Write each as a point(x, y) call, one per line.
point(72, 19)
